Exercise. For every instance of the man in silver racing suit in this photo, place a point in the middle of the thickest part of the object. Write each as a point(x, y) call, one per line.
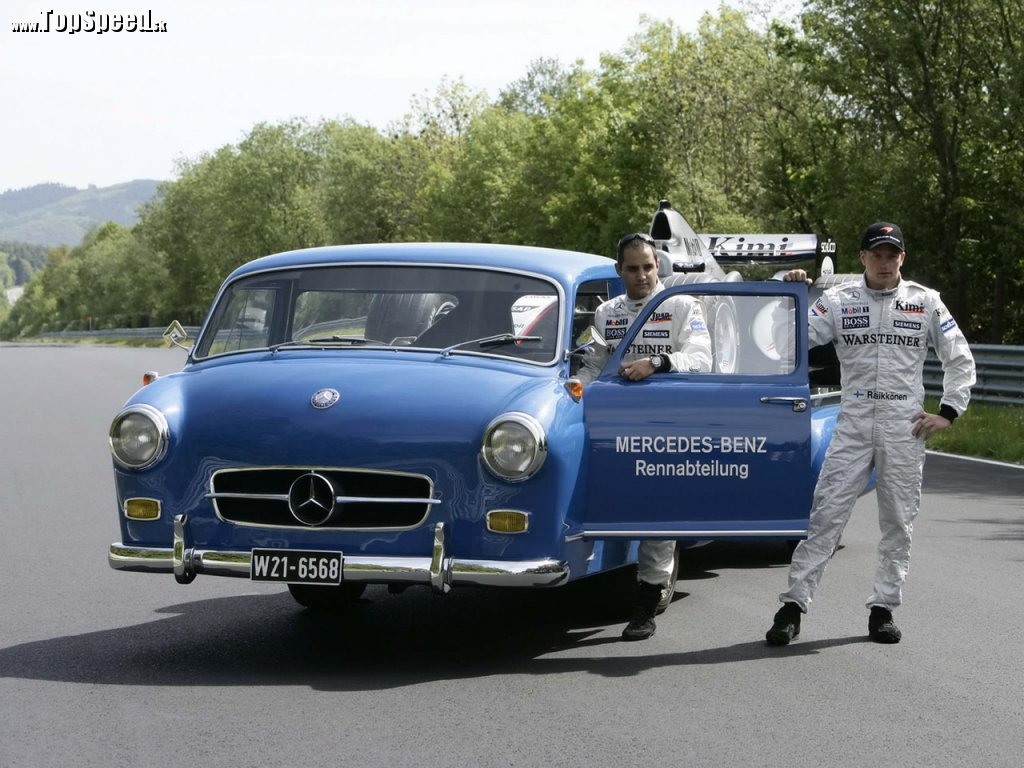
point(673, 338)
point(882, 326)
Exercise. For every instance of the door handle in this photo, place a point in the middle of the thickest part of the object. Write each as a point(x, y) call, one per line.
point(799, 403)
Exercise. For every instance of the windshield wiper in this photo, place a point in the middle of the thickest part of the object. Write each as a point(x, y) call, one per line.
point(497, 340)
point(355, 341)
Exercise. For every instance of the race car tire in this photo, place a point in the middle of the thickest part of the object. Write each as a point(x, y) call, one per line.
point(720, 316)
point(724, 328)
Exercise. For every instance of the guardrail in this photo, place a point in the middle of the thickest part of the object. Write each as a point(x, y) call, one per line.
point(144, 334)
point(1000, 367)
point(1000, 374)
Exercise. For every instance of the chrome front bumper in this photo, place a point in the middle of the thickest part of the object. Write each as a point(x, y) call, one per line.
point(439, 570)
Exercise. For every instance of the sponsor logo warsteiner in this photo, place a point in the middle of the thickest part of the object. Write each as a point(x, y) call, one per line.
point(909, 325)
point(650, 349)
point(893, 339)
point(861, 321)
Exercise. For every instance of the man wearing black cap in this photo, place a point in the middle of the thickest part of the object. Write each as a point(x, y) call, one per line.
point(882, 326)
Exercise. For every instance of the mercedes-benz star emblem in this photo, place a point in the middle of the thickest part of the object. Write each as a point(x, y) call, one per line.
point(311, 499)
point(324, 398)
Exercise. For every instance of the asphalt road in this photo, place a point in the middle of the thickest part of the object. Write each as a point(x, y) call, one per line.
point(99, 668)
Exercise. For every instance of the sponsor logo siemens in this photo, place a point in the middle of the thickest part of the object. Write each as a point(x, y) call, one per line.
point(656, 334)
point(909, 325)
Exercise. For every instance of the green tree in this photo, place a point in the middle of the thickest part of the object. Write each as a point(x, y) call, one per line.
point(7, 276)
point(37, 309)
point(927, 91)
point(260, 197)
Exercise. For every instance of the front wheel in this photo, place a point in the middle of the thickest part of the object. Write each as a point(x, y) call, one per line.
point(724, 328)
point(326, 599)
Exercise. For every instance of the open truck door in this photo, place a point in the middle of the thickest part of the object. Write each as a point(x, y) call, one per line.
point(720, 454)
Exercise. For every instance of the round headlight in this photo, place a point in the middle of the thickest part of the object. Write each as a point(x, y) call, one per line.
point(138, 437)
point(515, 446)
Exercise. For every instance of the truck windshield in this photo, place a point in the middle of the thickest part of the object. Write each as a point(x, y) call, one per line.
point(415, 307)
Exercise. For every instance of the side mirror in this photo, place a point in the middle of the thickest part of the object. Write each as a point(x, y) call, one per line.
point(596, 337)
point(596, 340)
point(175, 335)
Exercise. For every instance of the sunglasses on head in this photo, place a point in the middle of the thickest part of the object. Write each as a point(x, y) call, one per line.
point(630, 238)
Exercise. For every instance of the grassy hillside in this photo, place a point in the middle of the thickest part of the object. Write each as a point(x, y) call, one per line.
point(54, 214)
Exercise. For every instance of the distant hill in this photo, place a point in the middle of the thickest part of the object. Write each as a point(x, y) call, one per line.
point(54, 214)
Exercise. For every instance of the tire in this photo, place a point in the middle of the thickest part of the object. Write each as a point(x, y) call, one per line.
point(724, 327)
point(722, 321)
point(326, 599)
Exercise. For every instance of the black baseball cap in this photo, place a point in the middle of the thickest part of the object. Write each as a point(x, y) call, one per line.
point(880, 233)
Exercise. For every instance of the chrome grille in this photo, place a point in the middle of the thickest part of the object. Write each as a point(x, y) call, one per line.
point(363, 499)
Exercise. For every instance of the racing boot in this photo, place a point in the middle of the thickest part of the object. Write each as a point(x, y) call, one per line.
point(641, 626)
point(786, 625)
point(881, 627)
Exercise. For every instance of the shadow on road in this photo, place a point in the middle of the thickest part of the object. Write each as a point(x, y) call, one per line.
point(386, 641)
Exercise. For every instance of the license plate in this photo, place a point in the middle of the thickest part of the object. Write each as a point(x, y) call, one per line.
point(296, 566)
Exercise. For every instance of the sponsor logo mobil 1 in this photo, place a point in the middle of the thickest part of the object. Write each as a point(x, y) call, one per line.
point(854, 309)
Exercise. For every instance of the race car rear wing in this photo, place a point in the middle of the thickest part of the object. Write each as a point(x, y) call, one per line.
point(686, 251)
point(681, 250)
point(777, 250)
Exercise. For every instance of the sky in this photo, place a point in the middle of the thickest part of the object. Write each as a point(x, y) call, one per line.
point(87, 108)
